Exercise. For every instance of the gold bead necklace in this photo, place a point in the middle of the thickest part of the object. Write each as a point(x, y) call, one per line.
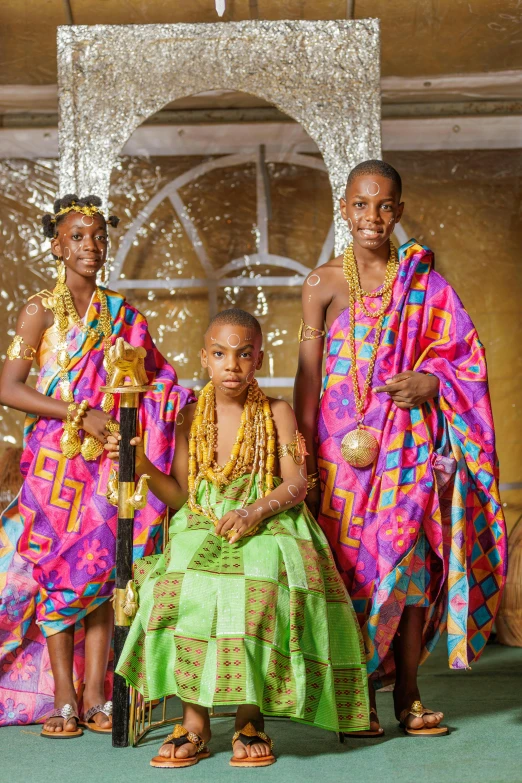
point(359, 447)
point(254, 448)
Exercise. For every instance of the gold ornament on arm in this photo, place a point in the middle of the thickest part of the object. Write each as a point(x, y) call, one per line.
point(15, 350)
point(307, 332)
point(296, 449)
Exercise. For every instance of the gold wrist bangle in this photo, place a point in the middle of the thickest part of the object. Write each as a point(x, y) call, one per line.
point(70, 442)
point(312, 480)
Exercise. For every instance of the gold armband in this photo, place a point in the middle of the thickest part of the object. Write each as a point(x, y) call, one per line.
point(307, 332)
point(296, 449)
point(312, 480)
point(15, 350)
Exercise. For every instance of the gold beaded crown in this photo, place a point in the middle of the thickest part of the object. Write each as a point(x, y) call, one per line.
point(87, 209)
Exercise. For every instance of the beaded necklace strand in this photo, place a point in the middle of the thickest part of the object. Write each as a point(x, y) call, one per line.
point(254, 447)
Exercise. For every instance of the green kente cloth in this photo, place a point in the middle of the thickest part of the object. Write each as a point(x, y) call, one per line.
point(266, 621)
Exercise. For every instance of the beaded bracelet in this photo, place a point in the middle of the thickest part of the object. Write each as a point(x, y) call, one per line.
point(70, 442)
point(312, 480)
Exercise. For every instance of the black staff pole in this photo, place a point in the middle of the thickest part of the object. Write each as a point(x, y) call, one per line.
point(129, 365)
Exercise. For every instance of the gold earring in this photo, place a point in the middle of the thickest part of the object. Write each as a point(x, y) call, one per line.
point(61, 271)
point(104, 276)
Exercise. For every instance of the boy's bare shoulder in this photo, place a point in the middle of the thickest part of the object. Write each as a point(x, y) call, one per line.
point(281, 409)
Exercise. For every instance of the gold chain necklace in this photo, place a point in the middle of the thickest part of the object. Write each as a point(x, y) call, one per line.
point(254, 446)
point(359, 447)
point(62, 305)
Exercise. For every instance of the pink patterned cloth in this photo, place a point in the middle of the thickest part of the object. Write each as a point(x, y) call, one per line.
point(57, 538)
point(424, 522)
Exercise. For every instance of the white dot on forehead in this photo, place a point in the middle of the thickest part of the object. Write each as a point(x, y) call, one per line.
point(31, 309)
point(313, 280)
point(242, 512)
point(373, 189)
point(86, 219)
point(233, 340)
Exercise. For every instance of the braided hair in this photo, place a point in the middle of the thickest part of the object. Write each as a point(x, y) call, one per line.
point(50, 222)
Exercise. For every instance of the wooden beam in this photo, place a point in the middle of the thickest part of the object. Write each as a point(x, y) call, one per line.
point(493, 85)
point(415, 134)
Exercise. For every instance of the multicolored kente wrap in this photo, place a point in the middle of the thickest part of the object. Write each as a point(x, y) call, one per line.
point(57, 538)
point(423, 525)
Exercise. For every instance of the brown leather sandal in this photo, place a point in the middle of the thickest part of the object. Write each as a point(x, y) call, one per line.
point(248, 736)
point(180, 736)
point(365, 733)
point(67, 713)
point(418, 711)
point(88, 723)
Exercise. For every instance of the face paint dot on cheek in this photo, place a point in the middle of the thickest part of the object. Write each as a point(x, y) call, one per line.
point(67, 253)
point(233, 340)
point(313, 280)
point(31, 309)
point(250, 376)
point(210, 372)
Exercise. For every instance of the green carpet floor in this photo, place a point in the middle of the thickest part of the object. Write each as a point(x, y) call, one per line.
point(483, 708)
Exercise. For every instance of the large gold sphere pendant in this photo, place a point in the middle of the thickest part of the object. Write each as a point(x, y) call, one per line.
point(359, 448)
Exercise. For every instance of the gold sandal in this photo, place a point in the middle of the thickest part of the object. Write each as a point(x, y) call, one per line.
point(418, 711)
point(248, 735)
point(180, 736)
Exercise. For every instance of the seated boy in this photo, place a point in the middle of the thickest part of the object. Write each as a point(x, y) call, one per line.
point(245, 606)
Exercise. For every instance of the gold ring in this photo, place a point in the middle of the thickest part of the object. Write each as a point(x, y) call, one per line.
point(112, 426)
point(232, 532)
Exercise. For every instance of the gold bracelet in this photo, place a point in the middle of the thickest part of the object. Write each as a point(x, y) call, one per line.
point(70, 442)
point(15, 349)
point(307, 332)
point(312, 480)
point(296, 448)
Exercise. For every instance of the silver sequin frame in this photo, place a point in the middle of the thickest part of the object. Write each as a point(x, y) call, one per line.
point(325, 75)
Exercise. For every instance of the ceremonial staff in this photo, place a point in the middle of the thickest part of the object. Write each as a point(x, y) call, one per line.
point(129, 370)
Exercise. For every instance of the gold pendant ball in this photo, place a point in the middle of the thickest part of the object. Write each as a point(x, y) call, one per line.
point(359, 448)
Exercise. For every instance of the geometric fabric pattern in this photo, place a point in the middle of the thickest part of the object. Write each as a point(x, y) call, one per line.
point(57, 539)
point(423, 525)
point(267, 621)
